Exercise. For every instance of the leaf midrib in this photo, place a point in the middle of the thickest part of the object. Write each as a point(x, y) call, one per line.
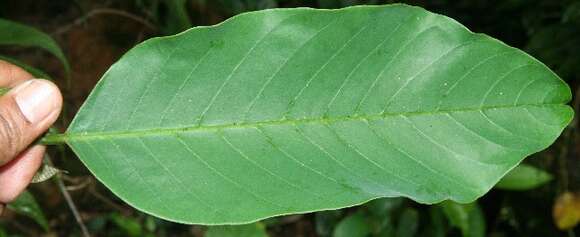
point(69, 136)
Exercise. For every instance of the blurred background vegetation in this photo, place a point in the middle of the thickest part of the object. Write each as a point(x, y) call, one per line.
point(540, 199)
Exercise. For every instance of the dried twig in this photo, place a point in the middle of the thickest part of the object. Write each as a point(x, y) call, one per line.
point(86, 181)
point(105, 11)
point(71, 205)
point(69, 201)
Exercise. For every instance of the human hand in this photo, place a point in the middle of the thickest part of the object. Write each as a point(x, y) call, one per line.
point(26, 112)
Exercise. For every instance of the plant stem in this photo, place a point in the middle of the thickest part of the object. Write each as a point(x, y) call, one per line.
point(71, 204)
point(3, 91)
point(53, 139)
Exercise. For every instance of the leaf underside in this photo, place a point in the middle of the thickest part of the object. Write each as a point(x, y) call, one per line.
point(297, 110)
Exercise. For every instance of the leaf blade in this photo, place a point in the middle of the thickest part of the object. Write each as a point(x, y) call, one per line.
point(14, 33)
point(206, 117)
point(524, 177)
point(27, 205)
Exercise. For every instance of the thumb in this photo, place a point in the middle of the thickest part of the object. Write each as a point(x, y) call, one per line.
point(26, 112)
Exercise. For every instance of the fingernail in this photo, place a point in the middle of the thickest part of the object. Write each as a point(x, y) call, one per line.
point(36, 99)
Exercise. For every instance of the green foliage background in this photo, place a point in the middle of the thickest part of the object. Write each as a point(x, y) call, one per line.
point(93, 34)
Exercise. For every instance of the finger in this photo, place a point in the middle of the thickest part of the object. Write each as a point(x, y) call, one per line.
point(11, 75)
point(16, 175)
point(26, 112)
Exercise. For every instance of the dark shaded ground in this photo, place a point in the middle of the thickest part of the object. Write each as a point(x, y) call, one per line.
point(94, 34)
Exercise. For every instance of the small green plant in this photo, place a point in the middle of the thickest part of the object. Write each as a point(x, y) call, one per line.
point(289, 111)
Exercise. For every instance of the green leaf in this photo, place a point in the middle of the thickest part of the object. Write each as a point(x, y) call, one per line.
point(34, 71)
point(467, 217)
point(297, 110)
point(476, 223)
point(176, 18)
point(383, 213)
point(325, 221)
point(26, 205)
point(408, 223)
point(355, 225)
point(14, 33)
point(437, 226)
point(524, 177)
point(130, 226)
point(384, 207)
point(251, 230)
